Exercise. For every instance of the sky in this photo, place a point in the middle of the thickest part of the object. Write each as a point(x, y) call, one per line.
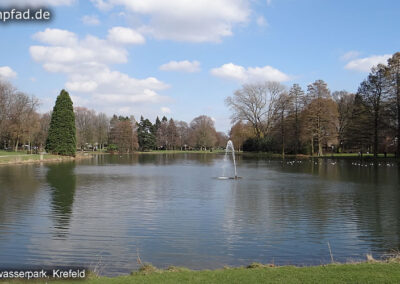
point(182, 58)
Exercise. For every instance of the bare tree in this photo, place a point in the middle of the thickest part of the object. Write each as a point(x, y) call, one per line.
point(203, 132)
point(22, 110)
point(345, 104)
point(183, 134)
point(393, 75)
point(298, 97)
point(283, 106)
point(320, 114)
point(173, 136)
point(239, 133)
point(101, 129)
point(255, 103)
point(374, 92)
point(41, 134)
point(222, 139)
point(162, 134)
point(85, 126)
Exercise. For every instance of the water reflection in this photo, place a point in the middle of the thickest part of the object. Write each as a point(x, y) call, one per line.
point(62, 181)
point(173, 211)
point(18, 186)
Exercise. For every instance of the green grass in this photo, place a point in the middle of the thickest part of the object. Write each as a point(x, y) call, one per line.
point(368, 272)
point(11, 153)
point(22, 157)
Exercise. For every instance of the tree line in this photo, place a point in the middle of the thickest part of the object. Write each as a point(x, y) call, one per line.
point(268, 117)
point(21, 126)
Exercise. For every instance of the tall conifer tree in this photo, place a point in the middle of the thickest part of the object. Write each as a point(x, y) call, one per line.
point(61, 138)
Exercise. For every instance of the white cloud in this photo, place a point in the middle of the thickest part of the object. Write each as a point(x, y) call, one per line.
point(7, 73)
point(185, 20)
point(250, 74)
point(56, 37)
point(89, 78)
point(350, 55)
point(36, 3)
point(165, 110)
point(125, 36)
point(365, 64)
point(262, 22)
point(90, 20)
point(183, 66)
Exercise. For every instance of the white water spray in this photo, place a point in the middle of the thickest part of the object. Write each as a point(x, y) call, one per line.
point(228, 150)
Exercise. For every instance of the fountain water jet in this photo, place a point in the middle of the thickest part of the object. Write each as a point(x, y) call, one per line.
point(229, 149)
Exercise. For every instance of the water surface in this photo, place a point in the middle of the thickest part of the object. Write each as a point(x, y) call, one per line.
point(172, 210)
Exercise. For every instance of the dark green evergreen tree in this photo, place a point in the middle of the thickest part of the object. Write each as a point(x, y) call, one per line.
point(146, 139)
point(156, 126)
point(61, 139)
point(359, 133)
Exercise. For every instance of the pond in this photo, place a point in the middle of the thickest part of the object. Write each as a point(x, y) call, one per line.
point(170, 209)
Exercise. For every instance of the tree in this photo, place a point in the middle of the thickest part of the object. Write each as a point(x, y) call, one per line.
point(183, 131)
point(255, 103)
point(393, 75)
point(22, 117)
point(283, 106)
point(162, 134)
point(156, 126)
point(239, 133)
point(101, 129)
point(320, 115)
point(203, 133)
point(172, 134)
point(123, 136)
point(146, 138)
point(222, 139)
point(41, 134)
point(358, 133)
point(85, 121)
point(374, 91)
point(345, 104)
point(61, 138)
point(298, 97)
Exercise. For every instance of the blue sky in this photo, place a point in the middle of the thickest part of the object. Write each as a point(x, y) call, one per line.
point(182, 58)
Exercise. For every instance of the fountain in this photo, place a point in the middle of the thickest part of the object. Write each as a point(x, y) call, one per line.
point(229, 149)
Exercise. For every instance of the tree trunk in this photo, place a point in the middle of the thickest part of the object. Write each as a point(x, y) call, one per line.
point(398, 116)
point(312, 145)
point(320, 152)
point(296, 135)
point(283, 135)
point(376, 135)
point(16, 145)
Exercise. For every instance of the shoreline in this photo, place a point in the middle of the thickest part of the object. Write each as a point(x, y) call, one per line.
point(370, 271)
point(16, 159)
point(35, 159)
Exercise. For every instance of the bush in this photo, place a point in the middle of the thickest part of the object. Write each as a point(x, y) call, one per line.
point(112, 148)
point(265, 144)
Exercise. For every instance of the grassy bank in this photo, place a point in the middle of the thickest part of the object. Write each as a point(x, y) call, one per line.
point(367, 272)
point(9, 158)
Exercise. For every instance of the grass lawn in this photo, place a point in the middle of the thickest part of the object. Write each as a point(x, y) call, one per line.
point(22, 157)
point(9, 153)
point(368, 272)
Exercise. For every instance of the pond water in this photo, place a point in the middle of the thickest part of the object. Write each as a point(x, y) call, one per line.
point(172, 210)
